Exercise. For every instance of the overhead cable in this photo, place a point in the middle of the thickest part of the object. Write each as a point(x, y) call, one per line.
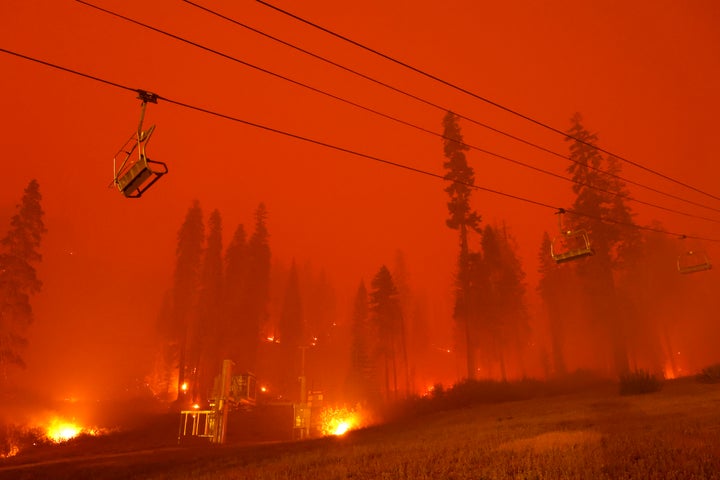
point(350, 151)
point(460, 115)
point(495, 104)
point(393, 118)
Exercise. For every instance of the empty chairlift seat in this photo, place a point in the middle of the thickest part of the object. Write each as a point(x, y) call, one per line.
point(570, 244)
point(693, 261)
point(134, 180)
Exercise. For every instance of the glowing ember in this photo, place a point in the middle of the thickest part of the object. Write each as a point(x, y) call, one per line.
point(59, 431)
point(338, 421)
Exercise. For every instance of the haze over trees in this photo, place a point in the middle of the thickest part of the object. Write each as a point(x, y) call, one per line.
point(19, 254)
point(611, 312)
point(216, 305)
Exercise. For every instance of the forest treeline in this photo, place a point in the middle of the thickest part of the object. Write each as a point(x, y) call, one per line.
point(611, 300)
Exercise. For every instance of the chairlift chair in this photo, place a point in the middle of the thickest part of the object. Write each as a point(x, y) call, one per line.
point(134, 175)
point(571, 244)
point(693, 261)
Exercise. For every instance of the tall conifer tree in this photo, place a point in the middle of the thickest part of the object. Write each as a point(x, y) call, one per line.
point(362, 379)
point(209, 328)
point(237, 343)
point(258, 284)
point(188, 254)
point(464, 219)
point(600, 194)
point(19, 254)
point(386, 316)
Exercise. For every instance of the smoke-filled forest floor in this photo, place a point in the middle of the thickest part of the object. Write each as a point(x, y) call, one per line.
point(596, 433)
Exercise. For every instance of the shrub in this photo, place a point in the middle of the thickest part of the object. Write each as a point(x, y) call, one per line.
point(710, 374)
point(638, 382)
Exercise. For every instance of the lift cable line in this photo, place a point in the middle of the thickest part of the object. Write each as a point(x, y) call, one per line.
point(354, 152)
point(398, 120)
point(483, 99)
point(464, 117)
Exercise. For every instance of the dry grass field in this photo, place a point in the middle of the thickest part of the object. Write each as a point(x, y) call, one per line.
point(596, 434)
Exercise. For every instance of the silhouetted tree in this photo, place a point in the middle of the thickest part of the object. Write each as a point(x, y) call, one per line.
point(188, 253)
point(18, 278)
point(208, 329)
point(386, 317)
point(464, 219)
point(652, 290)
point(362, 377)
point(240, 341)
point(504, 324)
point(258, 284)
point(600, 194)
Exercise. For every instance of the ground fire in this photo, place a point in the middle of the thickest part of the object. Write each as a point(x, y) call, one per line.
point(59, 430)
point(338, 421)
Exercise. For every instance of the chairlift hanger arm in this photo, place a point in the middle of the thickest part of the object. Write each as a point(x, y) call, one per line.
point(134, 178)
point(146, 97)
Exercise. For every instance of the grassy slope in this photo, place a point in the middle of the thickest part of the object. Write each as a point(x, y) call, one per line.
point(673, 434)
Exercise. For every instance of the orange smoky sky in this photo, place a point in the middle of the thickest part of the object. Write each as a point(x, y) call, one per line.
point(643, 74)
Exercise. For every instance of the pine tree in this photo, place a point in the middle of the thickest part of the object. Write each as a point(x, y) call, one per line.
point(188, 254)
point(362, 377)
point(237, 343)
point(505, 316)
point(600, 194)
point(18, 278)
point(209, 330)
point(258, 284)
point(386, 317)
point(462, 218)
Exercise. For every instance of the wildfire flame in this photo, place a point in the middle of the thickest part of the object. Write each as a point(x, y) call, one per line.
point(59, 430)
point(338, 421)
